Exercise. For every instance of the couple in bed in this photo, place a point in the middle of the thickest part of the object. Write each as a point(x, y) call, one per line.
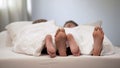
point(66, 44)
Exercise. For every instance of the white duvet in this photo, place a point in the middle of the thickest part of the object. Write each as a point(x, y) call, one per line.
point(84, 38)
point(30, 40)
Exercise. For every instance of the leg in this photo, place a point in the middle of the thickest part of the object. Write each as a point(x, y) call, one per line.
point(60, 41)
point(73, 45)
point(98, 36)
point(49, 45)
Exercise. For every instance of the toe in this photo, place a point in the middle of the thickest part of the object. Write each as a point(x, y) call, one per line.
point(63, 30)
point(57, 32)
point(96, 28)
point(76, 53)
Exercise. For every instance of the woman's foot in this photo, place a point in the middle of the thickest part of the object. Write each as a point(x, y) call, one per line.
point(60, 41)
point(98, 36)
point(73, 45)
point(49, 45)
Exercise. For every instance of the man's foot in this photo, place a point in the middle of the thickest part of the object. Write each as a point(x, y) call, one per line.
point(98, 36)
point(73, 45)
point(49, 45)
point(60, 41)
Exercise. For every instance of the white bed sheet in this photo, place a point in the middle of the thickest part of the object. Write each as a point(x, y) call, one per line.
point(9, 59)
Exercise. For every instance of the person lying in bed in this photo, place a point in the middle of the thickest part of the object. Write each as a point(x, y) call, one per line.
point(98, 36)
point(59, 38)
point(60, 41)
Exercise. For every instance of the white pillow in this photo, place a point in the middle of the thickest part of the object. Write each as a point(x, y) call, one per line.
point(15, 27)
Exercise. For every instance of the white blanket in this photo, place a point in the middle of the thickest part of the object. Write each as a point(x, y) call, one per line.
point(84, 38)
point(30, 40)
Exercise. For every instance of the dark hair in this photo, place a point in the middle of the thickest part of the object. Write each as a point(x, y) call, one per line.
point(39, 21)
point(71, 21)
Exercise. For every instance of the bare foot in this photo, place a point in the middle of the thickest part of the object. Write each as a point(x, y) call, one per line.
point(60, 41)
point(98, 36)
point(49, 45)
point(73, 45)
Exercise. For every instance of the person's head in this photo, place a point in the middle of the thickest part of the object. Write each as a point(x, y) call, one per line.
point(70, 24)
point(39, 21)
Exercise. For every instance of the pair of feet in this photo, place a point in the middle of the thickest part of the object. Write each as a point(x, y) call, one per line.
point(61, 38)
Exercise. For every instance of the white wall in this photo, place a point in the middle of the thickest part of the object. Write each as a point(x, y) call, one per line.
point(82, 11)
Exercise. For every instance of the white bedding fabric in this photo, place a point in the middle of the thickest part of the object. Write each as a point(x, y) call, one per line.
point(84, 38)
point(14, 27)
point(9, 59)
point(30, 40)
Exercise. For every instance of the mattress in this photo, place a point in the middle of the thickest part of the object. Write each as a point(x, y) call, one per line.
point(9, 59)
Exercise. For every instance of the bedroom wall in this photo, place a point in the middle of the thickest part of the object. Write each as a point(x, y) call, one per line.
point(82, 11)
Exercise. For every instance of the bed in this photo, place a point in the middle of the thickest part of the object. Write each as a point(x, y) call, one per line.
point(9, 59)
